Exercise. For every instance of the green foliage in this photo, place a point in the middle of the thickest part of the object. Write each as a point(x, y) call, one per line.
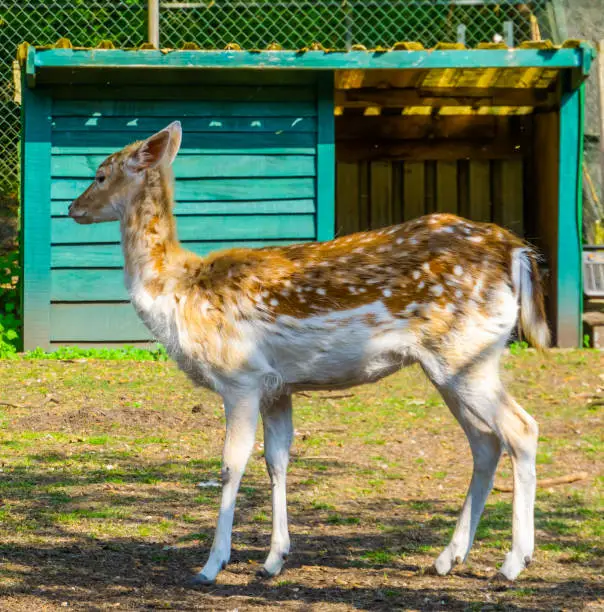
point(517, 348)
point(10, 308)
point(586, 341)
point(11, 326)
point(130, 353)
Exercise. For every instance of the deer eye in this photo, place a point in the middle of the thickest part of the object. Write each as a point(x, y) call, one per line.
point(100, 178)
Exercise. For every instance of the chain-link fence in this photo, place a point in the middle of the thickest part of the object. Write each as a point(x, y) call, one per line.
point(253, 24)
point(86, 23)
point(338, 24)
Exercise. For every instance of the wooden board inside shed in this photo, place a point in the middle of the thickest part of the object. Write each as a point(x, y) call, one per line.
point(427, 188)
point(471, 166)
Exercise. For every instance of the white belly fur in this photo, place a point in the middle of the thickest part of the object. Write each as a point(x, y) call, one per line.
point(337, 350)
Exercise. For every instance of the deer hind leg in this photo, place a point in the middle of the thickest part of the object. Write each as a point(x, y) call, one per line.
point(519, 432)
point(241, 420)
point(492, 420)
point(486, 450)
point(278, 435)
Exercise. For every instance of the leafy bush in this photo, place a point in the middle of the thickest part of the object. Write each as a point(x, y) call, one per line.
point(10, 308)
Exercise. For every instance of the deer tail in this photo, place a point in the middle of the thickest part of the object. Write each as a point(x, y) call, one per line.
point(529, 291)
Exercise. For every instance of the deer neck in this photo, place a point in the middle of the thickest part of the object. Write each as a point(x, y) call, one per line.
point(149, 240)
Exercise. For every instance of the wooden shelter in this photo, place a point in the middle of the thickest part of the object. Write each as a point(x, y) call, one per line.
point(288, 146)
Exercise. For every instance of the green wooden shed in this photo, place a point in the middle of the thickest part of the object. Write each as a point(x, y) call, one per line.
point(277, 144)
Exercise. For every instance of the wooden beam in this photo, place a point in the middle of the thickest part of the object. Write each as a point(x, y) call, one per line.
point(446, 96)
point(414, 190)
point(347, 199)
point(447, 197)
point(480, 190)
point(445, 150)
point(412, 127)
point(381, 194)
point(508, 195)
point(355, 79)
point(68, 59)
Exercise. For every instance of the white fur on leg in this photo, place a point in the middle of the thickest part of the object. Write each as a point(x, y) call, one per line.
point(486, 450)
point(522, 433)
point(458, 549)
point(278, 435)
point(242, 418)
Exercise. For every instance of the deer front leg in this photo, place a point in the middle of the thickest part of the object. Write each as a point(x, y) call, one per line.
point(241, 421)
point(278, 434)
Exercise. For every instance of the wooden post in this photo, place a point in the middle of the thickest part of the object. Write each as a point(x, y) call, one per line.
point(326, 158)
point(153, 22)
point(35, 217)
point(508, 28)
point(461, 34)
point(600, 80)
point(569, 286)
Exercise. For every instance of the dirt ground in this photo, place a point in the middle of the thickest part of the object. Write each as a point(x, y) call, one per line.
point(101, 508)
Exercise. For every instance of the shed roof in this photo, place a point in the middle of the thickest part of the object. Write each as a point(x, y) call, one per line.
point(489, 79)
point(404, 55)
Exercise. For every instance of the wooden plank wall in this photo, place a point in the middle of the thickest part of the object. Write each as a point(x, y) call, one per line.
point(372, 194)
point(246, 175)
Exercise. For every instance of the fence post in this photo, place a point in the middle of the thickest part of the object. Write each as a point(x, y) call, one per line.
point(153, 22)
point(600, 81)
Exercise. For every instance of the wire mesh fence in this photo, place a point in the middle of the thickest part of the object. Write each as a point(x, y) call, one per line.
point(85, 23)
point(338, 24)
point(253, 24)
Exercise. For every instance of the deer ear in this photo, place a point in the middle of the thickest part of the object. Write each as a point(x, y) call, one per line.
point(175, 131)
point(151, 152)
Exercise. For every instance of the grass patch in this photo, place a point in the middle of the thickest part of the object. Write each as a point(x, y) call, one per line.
point(379, 557)
point(105, 475)
point(338, 519)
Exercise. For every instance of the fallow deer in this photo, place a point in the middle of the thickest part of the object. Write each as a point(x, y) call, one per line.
point(257, 325)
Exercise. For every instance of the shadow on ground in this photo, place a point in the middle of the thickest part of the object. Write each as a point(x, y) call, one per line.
point(371, 556)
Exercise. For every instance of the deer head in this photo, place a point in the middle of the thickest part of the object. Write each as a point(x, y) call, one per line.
point(124, 176)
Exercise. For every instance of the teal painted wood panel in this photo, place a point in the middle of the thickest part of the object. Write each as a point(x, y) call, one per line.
point(193, 144)
point(246, 176)
point(569, 270)
point(276, 145)
point(96, 323)
point(108, 346)
point(326, 158)
point(219, 94)
point(174, 109)
point(59, 208)
point(317, 60)
point(214, 189)
point(212, 125)
point(35, 236)
point(234, 227)
point(88, 285)
point(126, 81)
point(126, 93)
point(110, 255)
point(200, 166)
